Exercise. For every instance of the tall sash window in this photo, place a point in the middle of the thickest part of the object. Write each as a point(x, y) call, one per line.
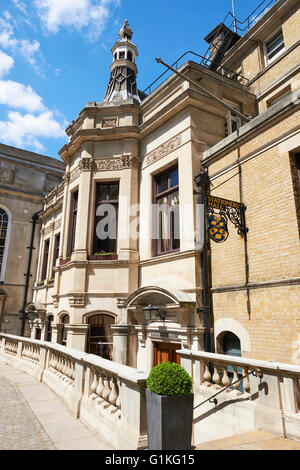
point(4, 241)
point(166, 217)
point(74, 208)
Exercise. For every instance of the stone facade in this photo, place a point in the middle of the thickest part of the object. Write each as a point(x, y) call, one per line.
point(253, 281)
point(25, 179)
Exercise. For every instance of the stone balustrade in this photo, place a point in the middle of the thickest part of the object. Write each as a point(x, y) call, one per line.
point(236, 394)
point(108, 397)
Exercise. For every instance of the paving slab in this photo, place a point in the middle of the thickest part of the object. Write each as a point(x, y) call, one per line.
point(32, 417)
point(256, 440)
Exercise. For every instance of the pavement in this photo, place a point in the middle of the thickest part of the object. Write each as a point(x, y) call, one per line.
point(32, 417)
point(256, 440)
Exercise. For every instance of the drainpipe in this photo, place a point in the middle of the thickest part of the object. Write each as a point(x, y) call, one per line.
point(28, 275)
point(202, 182)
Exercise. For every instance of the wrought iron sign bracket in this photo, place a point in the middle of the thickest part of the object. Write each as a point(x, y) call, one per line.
point(226, 209)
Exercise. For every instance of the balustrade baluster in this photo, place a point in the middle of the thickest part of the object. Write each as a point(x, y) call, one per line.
point(246, 381)
point(100, 388)
point(225, 378)
point(216, 377)
point(106, 391)
point(235, 378)
point(207, 375)
point(118, 402)
point(94, 385)
point(113, 393)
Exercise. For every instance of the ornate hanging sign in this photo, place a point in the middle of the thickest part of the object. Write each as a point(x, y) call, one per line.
point(217, 228)
point(220, 211)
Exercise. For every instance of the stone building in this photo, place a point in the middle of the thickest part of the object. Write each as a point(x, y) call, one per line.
point(25, 179)
point(126, 226)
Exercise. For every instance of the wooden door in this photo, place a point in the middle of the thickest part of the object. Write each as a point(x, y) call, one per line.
point(166, 352)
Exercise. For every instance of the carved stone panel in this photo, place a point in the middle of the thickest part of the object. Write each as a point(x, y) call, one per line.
point(163, 150)
point(109, 123)
point(6, 175)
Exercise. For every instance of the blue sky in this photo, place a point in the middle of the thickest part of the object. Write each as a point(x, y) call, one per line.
point(55, 56)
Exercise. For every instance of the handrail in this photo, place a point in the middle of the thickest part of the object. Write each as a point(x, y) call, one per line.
point(212, 399)
point(204, 62)
point(235, 22)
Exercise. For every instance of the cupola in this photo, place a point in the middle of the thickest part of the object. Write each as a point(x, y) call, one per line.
point(123, 70)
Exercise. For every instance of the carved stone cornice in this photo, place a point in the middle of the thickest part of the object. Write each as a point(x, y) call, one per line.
point(163, 150)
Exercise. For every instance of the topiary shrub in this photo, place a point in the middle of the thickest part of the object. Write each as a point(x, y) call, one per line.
point(169, 379)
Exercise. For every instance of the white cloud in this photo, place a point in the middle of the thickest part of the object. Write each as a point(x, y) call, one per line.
point(27, 49)
point(6, 63)
point(17, 95)
point(20, 6)
point(21, 130)
point(76, 14)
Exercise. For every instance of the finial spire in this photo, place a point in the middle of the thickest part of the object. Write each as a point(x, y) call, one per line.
point(122, 83)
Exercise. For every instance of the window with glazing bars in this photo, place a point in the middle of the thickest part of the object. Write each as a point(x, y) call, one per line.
point(55, 252)
point(166, 212)
point(274, 47)
point(106, 217)
point(3, 236)
point(45, 260)
point(74, 207)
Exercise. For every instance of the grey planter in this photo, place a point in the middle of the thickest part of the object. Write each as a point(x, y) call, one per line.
point(169, 421)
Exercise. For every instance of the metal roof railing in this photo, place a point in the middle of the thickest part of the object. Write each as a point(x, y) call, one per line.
point(204, 61)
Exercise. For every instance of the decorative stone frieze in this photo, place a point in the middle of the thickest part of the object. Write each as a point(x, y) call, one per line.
point(163, 150)
point(75, 174)
point(86, 164)
point(57, 224)
point(48, 229)
point(105, 164)
point(119, 163)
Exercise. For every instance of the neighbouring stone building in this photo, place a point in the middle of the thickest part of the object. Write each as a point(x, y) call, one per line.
point(131, 163)
point(25, 179)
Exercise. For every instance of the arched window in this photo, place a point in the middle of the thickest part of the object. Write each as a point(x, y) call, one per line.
point(231, 344)
point(100, 337)
point(4, 240)
point(232, 347)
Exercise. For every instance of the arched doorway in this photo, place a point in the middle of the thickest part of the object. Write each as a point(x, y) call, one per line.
point(100, 340)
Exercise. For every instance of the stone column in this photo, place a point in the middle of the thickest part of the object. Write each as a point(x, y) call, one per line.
point(56, 333)
point(120, 343)
point(81, 239)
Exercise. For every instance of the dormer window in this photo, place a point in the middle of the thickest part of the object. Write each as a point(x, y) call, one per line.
point(274, 47)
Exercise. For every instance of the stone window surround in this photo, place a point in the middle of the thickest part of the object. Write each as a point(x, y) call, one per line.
point(7, 239)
